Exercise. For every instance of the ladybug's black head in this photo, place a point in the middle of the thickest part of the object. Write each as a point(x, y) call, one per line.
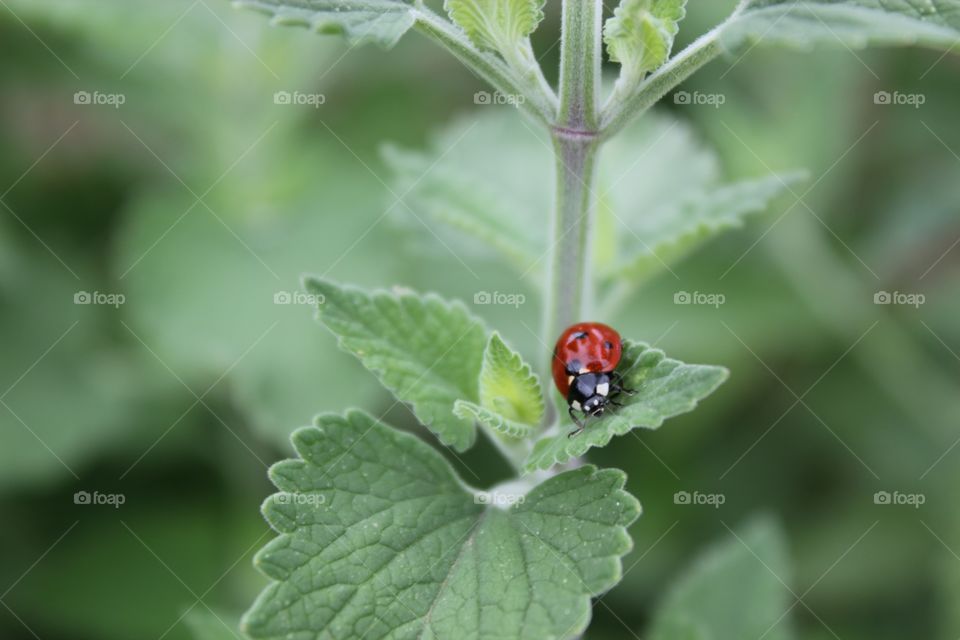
point(595, 405)
point(589, 393)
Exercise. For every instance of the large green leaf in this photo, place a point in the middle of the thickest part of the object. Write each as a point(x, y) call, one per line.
point(664, 388)
point(660, 192)
point(849, 23)
point(380, 539)
point(54, 347)
point(426, 350)
point(179, 262)
point(380, 21)
point(735, 590)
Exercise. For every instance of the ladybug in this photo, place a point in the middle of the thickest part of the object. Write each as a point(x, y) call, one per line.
point(584, 361)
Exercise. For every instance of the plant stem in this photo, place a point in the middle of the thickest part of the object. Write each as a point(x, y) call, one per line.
point(570, 279)
point(539, 101)
point(575, 143)
point(580, 64)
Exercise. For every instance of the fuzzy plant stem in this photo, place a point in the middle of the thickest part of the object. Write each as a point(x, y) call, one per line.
point(575, 142)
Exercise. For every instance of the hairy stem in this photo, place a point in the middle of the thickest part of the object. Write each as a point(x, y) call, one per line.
point(575, 144)
point(539, 101)
point(580, 64)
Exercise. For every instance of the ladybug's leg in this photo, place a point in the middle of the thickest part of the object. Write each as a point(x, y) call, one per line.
point(577, 421)
point(617, 385)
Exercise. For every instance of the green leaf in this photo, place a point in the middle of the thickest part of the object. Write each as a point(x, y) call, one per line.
point(674, 228)
point(382, 22)
point(425, 350)
point(664, 388)
point(848, 23)
point(498, 25)
point(379, 538)
point(640, 34)
point(507, 384)
point(491, 419)
point(656, 181)
point(701, 605)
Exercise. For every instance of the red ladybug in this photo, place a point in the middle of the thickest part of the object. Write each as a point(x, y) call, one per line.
point(584, 361)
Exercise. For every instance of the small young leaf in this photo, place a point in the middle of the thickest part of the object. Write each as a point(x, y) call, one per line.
point(379, 21)
point(491, 419)
point(700, 605)
point(664, 388)
point(498, 25)
point(640, 34)
point(427, 351)
point(507, 384)
point(848, 23)
point(379, 538)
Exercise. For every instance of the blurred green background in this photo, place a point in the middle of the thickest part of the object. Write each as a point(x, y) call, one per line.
point(200, 200)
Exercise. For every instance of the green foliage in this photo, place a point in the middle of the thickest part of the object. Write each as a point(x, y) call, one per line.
point(676, 227)
point(427, 351)
point(466, 185)
point(849, 23)
point(508, 386)
point(511, 401)
point(640, 34)
point(499, 25)
point(491, 420)
point(379, 537)
point(664, 388)
point(382, 22)
point(735, 590)
point(209, 625)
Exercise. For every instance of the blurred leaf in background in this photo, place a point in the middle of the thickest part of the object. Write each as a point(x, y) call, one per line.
point(204, 197)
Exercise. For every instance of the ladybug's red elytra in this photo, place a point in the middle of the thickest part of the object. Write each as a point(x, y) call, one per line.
point(584, 361)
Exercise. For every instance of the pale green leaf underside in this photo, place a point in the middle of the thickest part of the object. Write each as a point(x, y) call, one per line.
point(850, 23)
point(731, 592)
point(425, 350)
point(664, 388)
point(498, 25)
point(508, 385)
point(640, 33)
point(655, 178)
point(380, 539)
point(673, 229)
point(382, 22)
point(491, 419)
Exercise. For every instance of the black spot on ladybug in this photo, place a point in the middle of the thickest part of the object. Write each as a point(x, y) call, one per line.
point(581, 336)
point(608, 344)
